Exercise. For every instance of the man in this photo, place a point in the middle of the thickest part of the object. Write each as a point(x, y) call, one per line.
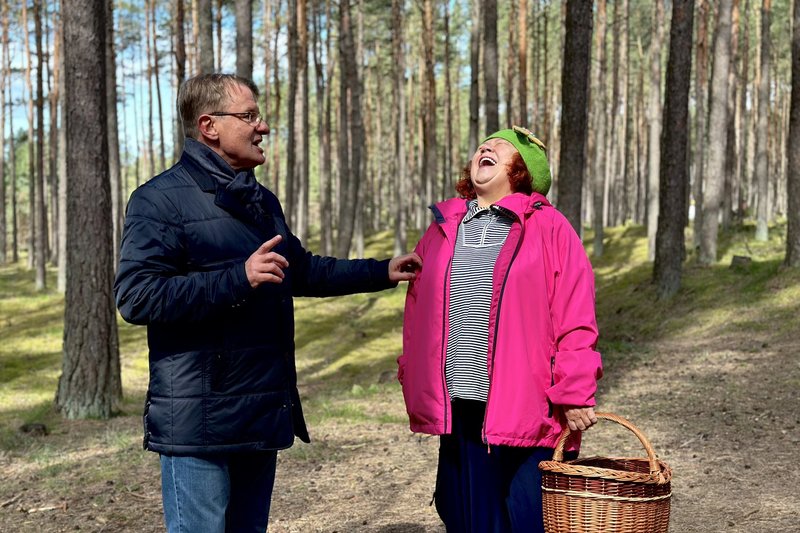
point(209, 265)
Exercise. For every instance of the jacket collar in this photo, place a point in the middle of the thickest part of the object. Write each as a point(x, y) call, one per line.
point(518, 203)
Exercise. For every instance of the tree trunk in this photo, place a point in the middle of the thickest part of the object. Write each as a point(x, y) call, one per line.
point(732, 160)
point(150, 131)
point(293, 154)
point(162, 149)
point(700, 88)
point(351, 132)
point(244, 38)
point(117, 208)
point(451, 144)
point(474, 73)
point(522, 61)
point(205, 35)
point(90, 385)
point(598, 106)
point(717, 135)
point(32, 219)
point(511, 67)
point(40, 254)
point(762, 126)
point(323, 132)
point(218, 28)
point(302, 123)
point(793, 149)
point(574, 100)
point(429, 147)
point(399, 117)
point(619, 113)
point(180, 71)
point(490, 65)
point(670, 246)
point(3, 75)
point(61, 284)
point(52, 132)
point(744, 140)
point(276, 110)
point(654, 129)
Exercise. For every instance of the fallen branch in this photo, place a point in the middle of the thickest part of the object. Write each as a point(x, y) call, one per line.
point(62, 507)
point(10, 501)
point(140, 496)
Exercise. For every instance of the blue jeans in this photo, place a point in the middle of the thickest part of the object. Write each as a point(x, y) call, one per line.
point(482, 492)
point(217, 493)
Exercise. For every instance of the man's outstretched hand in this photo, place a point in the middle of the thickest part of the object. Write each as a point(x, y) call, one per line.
point(404, 267)
point(266, 266)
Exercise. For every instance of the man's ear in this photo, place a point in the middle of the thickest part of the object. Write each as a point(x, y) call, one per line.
point(207, 127)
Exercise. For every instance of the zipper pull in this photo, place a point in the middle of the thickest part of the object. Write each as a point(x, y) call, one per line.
point(489, 449)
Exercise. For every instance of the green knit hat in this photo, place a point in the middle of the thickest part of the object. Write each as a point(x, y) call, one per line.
point(533, 152)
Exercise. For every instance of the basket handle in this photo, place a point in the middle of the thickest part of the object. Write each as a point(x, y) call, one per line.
point(655, 469)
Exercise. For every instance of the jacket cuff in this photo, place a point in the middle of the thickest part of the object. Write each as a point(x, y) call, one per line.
point(241, 285)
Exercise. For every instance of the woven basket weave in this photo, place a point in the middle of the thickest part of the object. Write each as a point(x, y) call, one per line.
point(606, 494)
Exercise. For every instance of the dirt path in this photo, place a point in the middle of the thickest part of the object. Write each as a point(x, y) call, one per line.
point(724, 415)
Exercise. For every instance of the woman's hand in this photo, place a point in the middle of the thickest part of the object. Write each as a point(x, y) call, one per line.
point(580, 418)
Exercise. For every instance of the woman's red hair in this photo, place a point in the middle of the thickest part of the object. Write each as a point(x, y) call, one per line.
point(518, 177)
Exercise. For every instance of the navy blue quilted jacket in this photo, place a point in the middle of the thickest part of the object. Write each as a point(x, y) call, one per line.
point(222, 368)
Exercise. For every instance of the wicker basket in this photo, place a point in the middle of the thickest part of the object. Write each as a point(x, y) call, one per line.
point(606, 494)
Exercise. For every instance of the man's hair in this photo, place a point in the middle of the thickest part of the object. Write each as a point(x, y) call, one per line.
point(206, 93)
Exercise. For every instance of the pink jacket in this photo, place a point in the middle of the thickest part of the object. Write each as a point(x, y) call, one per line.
point(542, 327)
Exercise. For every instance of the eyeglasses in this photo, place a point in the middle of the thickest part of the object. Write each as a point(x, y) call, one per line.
point(253, 118)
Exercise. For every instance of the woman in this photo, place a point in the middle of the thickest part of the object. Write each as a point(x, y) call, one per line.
point(499, 338)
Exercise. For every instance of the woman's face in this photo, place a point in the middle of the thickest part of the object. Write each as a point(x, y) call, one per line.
point(489, 170)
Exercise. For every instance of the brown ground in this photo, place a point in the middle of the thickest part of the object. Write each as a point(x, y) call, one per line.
point(723, 413)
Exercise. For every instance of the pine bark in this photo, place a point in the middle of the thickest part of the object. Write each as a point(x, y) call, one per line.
point(90, 385)
point(717, 135)
point(180, 69)
point(490, 65)
point(323, 132)
point(157, 78)
point(62, 168)
point(351, 132)
point(117, 208)
point(3, 75)
point(793, 148)
point(654, 119)
point(40, 239)
point(32, 219)
point(670, 245)
point(598, 133)
point(701, 88)
point(244, 38)
point(522, 61)
point(399, 103)
point(574, 100)
point(762, 126)
point(205, 36)
point(429, 147)
point(474, 73)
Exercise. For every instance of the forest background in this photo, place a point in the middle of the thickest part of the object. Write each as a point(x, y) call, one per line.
point(669, 121)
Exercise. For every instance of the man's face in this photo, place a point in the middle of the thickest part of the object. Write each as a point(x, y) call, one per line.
point(238, 141)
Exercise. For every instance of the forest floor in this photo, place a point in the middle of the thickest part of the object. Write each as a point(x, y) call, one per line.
point(711, 377)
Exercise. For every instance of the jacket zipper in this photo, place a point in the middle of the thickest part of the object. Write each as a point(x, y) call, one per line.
point(552, 383)
point(443, 352)
point(497, 314)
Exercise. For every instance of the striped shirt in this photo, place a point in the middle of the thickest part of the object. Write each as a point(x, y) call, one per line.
point(481, 234)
